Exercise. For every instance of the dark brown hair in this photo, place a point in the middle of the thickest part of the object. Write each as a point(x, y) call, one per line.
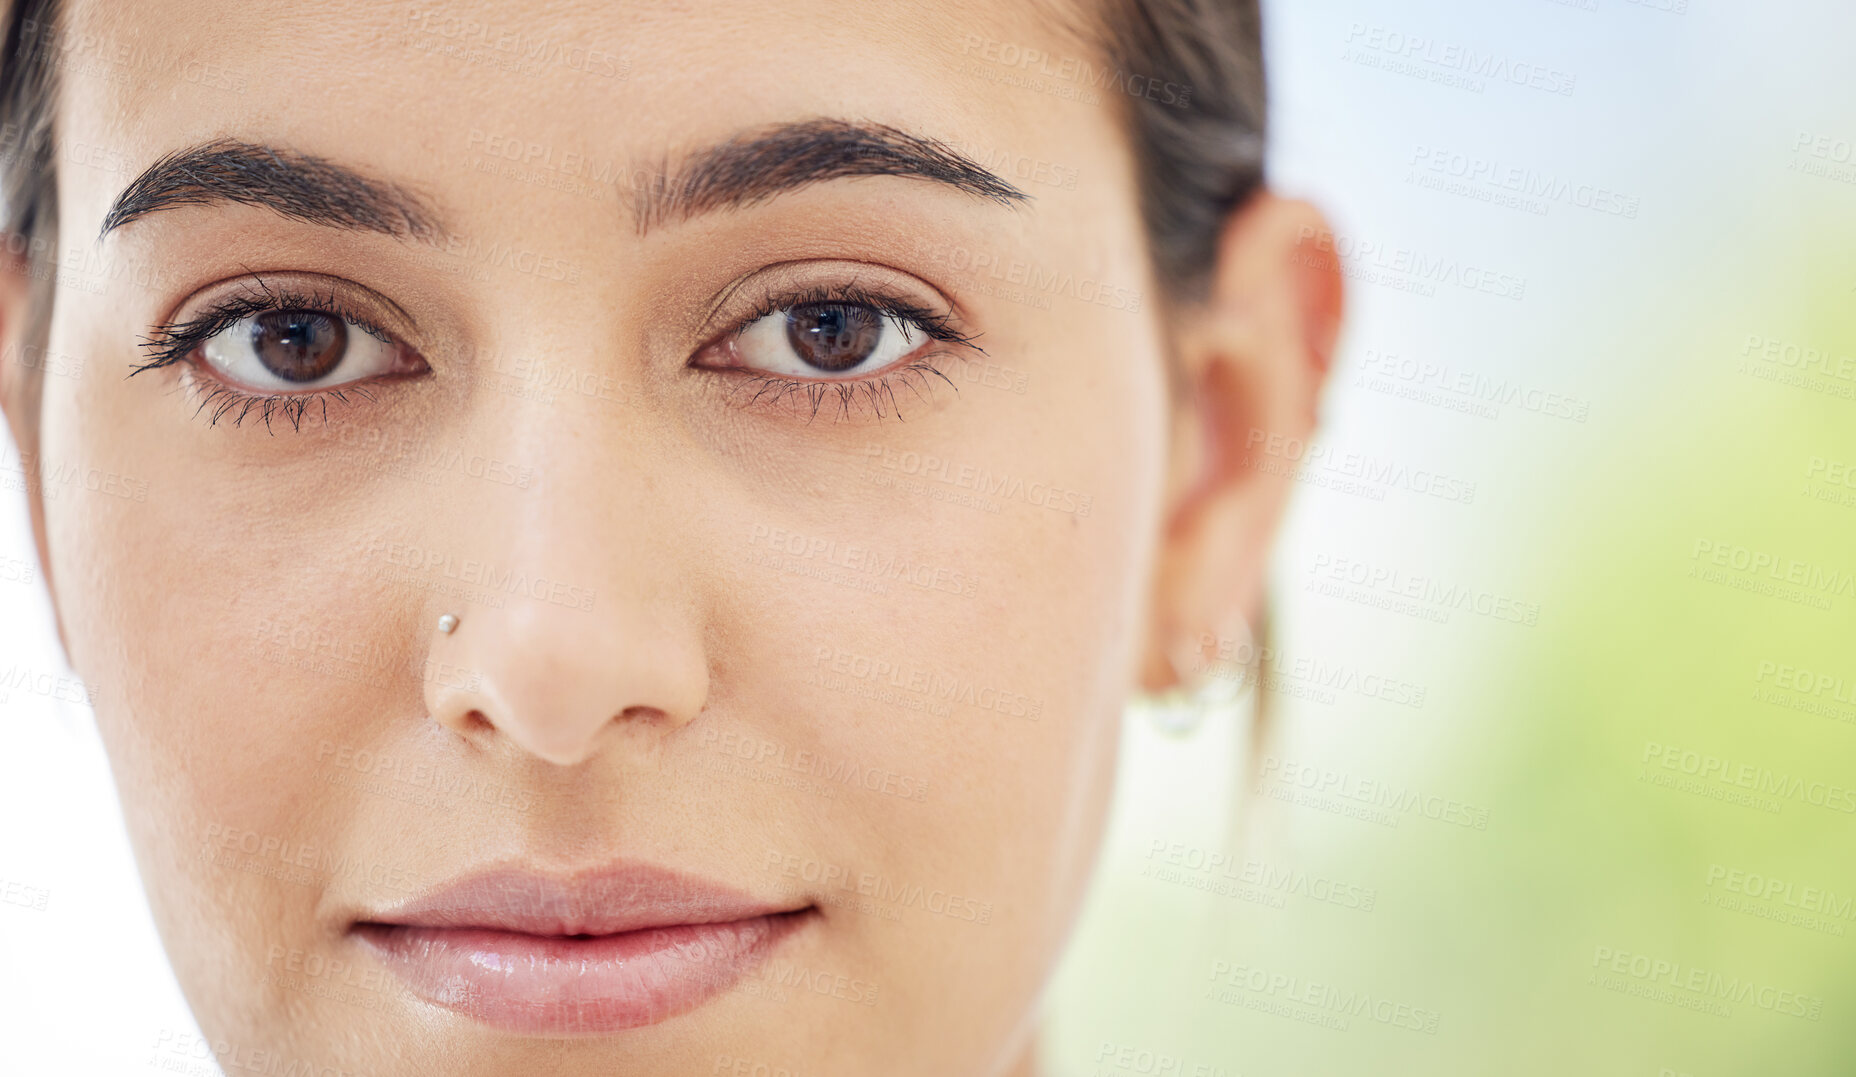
point(1200, 154)
point(28, 173)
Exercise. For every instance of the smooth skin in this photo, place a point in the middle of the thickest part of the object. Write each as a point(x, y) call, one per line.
point(258, 631)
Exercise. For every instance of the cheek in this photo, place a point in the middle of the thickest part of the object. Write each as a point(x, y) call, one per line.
point(999, 670)
point(223, 639)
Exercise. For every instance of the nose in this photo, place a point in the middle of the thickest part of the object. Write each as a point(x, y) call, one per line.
point(553, 679)
point(581, 617)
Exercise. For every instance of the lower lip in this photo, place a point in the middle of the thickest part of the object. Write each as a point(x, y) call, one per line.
point(568, 985)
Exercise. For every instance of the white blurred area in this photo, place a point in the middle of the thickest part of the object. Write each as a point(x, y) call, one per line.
point(63, 847)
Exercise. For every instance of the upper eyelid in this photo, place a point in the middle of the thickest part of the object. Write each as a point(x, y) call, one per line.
point(232, 309)
point(709, 318)
point(709, 328)
point(242, 286)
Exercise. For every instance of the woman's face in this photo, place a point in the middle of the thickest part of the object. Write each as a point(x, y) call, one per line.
point(789, 623)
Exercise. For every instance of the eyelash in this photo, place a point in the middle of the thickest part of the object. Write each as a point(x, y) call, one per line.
point(871, 390)
point(174, 343)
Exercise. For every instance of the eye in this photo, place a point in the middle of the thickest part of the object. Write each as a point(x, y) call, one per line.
point(827, 340)
point(276, 351)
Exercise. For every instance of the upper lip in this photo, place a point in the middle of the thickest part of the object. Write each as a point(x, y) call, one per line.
point(600, 901)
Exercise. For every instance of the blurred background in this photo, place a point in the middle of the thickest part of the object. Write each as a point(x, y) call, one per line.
point(1561, 771)
point(1565, 714)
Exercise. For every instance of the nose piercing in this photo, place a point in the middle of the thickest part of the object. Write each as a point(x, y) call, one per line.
point(448, 623)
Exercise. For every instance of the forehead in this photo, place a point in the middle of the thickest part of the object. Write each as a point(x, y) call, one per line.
point(438, 95)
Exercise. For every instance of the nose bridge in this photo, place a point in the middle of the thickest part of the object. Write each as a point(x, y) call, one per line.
point(587, 615)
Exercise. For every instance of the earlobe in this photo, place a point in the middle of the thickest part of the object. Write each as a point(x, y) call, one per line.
point(1254, 360)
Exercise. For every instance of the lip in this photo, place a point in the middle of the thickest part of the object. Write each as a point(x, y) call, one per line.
point(600, 951)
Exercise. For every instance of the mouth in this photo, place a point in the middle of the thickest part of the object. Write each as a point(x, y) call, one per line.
point(618, 948)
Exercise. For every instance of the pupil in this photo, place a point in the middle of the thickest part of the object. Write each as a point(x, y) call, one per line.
point(298, 345)
point(833, 336)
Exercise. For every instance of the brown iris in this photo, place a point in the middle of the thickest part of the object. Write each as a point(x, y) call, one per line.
point(833, 336)
point(299, 345)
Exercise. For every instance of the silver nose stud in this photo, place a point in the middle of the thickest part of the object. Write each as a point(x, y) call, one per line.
point(448, 623)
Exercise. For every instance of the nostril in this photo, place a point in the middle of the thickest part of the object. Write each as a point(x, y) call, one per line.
point(652, 715)
point(477, 722)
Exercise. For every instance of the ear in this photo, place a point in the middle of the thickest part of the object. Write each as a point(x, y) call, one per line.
point(1252, 362)
point(21, 381)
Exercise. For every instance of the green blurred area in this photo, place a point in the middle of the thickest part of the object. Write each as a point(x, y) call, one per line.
point(1666, 884)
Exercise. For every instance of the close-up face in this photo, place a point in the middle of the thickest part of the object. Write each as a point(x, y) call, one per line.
point(642, 519)
point(935, 538)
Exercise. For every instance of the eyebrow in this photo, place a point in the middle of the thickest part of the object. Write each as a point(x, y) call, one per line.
point(740, 171)
point(298, 185)
point(752, 168)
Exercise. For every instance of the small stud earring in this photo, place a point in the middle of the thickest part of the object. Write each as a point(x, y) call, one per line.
point(1200, 687)
point(448, 623)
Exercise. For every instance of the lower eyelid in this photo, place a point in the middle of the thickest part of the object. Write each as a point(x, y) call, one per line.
point(216, 401)
point(896, 391)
